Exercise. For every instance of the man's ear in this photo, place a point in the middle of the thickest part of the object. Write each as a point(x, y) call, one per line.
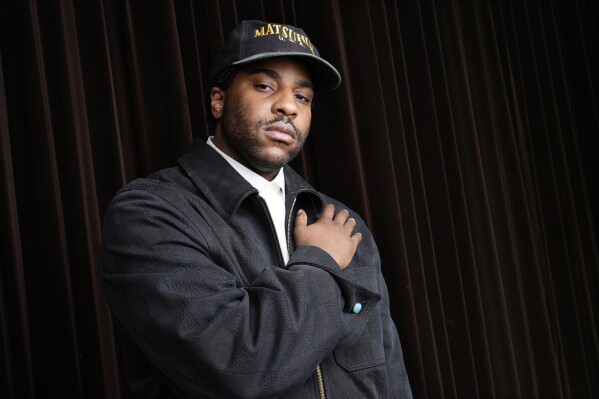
point(217, 102)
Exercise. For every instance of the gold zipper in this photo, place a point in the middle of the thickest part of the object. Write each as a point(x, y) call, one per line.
point(320, 382)
point(289, 227)
point(318, 370)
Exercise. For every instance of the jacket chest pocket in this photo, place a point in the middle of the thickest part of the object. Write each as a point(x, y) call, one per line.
point(367, 350)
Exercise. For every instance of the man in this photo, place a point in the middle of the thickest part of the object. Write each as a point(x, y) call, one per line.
point(228, 276)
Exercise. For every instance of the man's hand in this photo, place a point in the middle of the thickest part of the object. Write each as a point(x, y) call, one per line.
point(331, 233)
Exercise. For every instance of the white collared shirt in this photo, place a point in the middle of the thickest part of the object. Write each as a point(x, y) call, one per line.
point(273, 193)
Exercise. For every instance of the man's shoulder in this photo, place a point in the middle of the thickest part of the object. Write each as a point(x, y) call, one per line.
point(339, 205)
point(169, 184)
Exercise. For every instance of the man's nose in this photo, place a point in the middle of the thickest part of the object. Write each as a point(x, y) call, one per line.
point(285, 104)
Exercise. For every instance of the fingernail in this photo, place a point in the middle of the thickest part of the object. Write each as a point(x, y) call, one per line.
point(299, 212)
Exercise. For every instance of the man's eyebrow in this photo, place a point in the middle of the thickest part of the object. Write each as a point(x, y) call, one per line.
point(275, 75)
point(305, 83)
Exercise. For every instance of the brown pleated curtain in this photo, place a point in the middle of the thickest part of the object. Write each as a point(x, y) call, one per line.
point(465, 133)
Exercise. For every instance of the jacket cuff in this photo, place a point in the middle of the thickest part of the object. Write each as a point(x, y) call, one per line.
point(357, 298)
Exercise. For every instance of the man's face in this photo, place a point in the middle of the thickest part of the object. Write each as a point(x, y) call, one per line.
point(264, 116)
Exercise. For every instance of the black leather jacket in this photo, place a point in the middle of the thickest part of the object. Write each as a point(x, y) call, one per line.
point(204, 307)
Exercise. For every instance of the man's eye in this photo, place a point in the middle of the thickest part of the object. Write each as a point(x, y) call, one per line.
point(302, 98)
point(262, 86)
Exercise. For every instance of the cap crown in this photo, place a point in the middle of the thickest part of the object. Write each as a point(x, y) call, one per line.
point(256, 40)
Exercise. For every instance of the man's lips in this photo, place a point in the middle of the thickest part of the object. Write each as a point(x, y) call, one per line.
point(281, 132)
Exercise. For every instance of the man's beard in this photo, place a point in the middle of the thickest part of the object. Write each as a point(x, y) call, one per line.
point(244, 137)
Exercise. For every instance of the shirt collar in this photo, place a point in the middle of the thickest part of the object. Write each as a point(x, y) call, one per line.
point(224, 188)
point(257, 181)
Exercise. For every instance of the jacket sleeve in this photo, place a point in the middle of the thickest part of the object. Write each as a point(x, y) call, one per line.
point(205, 331)
point(366, 270)
point(399, 384)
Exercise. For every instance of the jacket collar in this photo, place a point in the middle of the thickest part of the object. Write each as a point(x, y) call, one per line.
point(223, 187)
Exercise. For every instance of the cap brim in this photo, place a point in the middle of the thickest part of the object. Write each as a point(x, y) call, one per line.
point(324, 75)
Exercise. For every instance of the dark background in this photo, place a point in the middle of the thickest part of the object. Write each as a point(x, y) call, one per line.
point(465, 133)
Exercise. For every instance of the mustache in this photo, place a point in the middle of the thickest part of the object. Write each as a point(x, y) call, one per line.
point(285, 119)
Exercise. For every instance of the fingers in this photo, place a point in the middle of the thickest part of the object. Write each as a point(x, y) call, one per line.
point(301, 219)
point(329, 212)
point(341, 217)
point(333, 233)
point(349, 225)
point(356, 239)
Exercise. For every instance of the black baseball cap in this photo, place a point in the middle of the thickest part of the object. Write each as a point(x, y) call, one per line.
point(255, 40)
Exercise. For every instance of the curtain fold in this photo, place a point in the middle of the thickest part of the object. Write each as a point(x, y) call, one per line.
point(16, 371)
point(465, 133)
